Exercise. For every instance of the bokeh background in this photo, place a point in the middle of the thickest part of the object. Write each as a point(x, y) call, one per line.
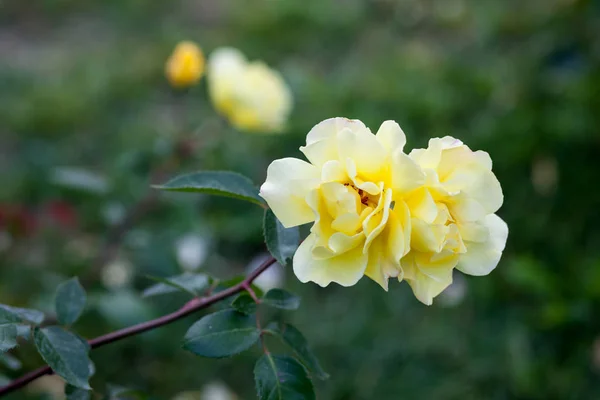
point(88, 122)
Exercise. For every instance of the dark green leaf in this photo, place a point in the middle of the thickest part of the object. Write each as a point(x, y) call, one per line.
point(188, 282)
point(65, 353)
point(8, 337)
point(222, 183)
point(294, 338)
point(282, 299)
point(4, 380)
point(244, 304)
point(281, 242)
point(10, 362)
point(75, 393)
point(10, 314)
point(282, 378)
point(70, 301)
point(222, 334)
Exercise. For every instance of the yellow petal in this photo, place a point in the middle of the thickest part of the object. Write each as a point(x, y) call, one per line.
point(380, 268)
point(422, 206)
point(482, 257)
point(288, 182)
point(427, 237)
point(333, 171)
point(426, 286)
point(406, 174)
point(374, 224)
point(391, 137)
point(345, 269)
point(361, 146)
point(321, 141)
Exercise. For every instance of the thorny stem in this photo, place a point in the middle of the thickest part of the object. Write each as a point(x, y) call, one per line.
point(190, 307)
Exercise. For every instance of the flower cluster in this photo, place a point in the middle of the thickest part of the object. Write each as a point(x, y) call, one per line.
point(380, 212)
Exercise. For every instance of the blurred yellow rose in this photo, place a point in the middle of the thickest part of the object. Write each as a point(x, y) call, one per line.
point(452, 217)
point(382, 213)
point(185, 66)
point(251, 95)
point(353, 190)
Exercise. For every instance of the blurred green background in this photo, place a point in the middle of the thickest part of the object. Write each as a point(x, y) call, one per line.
point(88, 122)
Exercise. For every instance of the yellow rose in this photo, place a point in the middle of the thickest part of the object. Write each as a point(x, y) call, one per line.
point(185, 66)
point(452, 217)
point(353, 189)
point(251, 95)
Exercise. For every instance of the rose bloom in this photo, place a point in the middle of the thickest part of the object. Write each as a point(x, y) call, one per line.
point(381, 213)
point(452, 216)
point(252, 96)
point(185, 66)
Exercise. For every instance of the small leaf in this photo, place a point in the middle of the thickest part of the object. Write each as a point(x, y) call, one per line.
point(70, 301)
point(222, 183)
point(10, 314)
point(75, 393)
point(188, 282)
point(282, 299)
point(281, 242)
point(65, 353)
point(10, 361)
point(244, 304)
point(294, 338)
point(8, 337)
point(282, 378)
point(222, 334)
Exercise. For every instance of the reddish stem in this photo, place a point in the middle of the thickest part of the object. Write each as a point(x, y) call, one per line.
point(189, 308)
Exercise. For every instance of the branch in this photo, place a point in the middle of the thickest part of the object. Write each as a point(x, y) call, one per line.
point(189, 308)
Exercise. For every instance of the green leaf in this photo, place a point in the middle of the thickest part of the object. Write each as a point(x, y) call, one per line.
point(10, 314)
point(222, 183)
point(4, 381)
point(8, 337)
point(222, 334)
point(281, 242)
point(10, 362)
point(65, 353)
point(187, 282)
point(244, 304)
point(75, 393)
point(69, 301)
point(282, 299)
point(282, 378)
point(294, 338)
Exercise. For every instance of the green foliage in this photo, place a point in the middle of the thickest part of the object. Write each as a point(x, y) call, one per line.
point(294, 338)
point(282, 299)
point(282, 378)
point(70, 301)
point(75, 393)
point(222, 334)
point(65, 353)
point(244, 303)
point(10, 314)
point(191, 283)
point(10, 362)
point(222, 183)
point(8, 337)
point(281, 242)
